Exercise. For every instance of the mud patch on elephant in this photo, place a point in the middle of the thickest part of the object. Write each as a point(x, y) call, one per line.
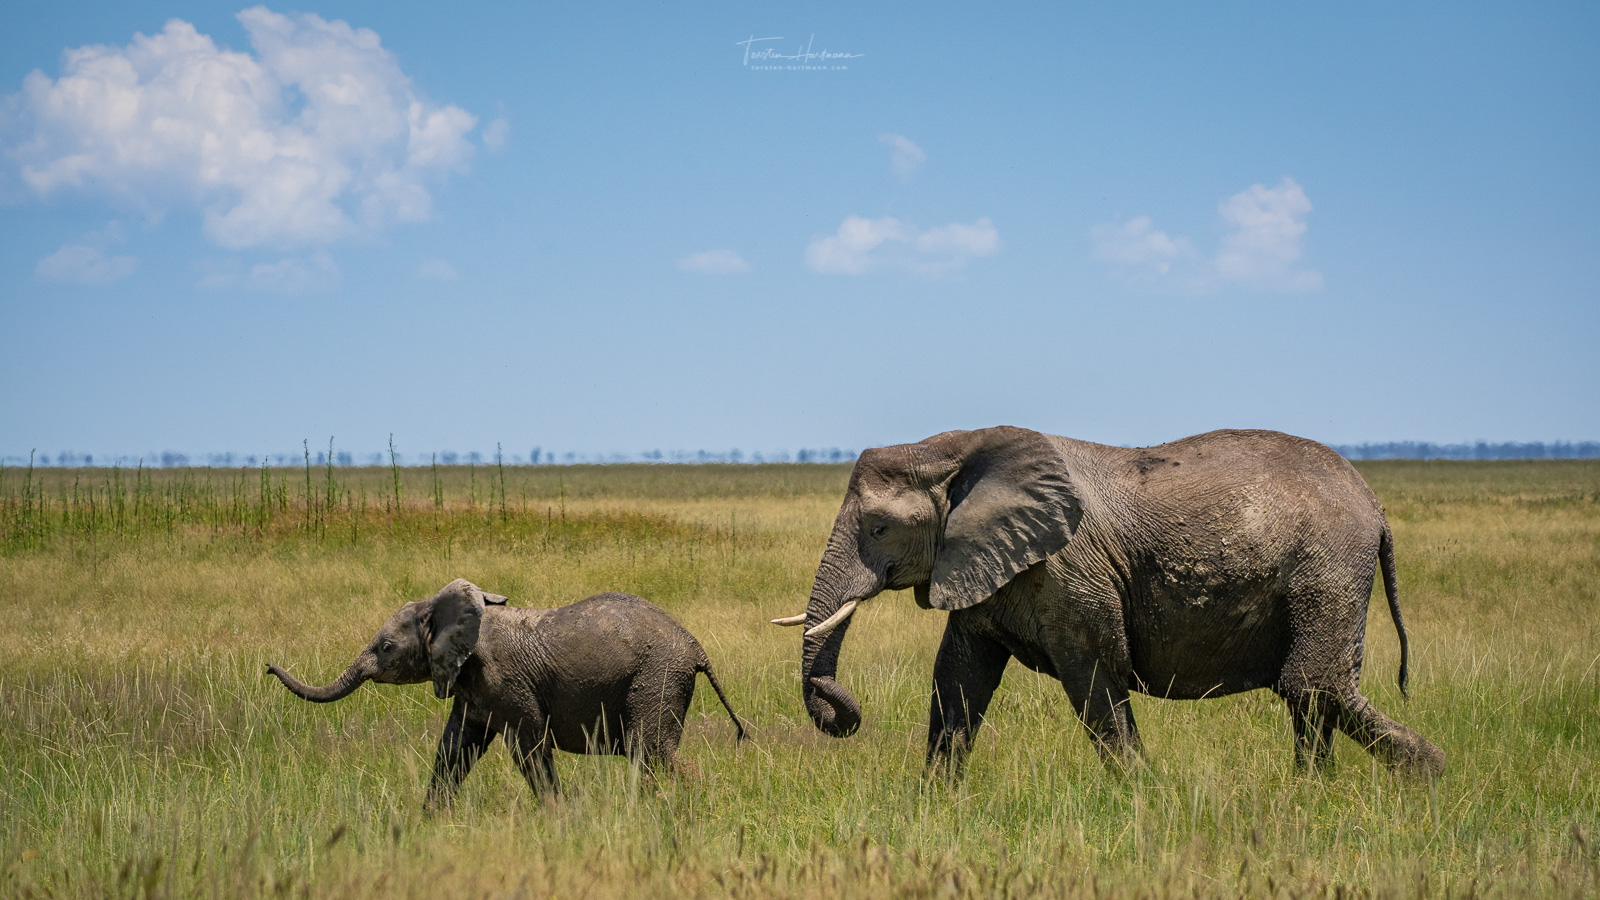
point(1147, 464)
point(1190, 602)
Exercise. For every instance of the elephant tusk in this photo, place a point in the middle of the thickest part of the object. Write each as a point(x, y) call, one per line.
point(791, 620)
point(832, 622)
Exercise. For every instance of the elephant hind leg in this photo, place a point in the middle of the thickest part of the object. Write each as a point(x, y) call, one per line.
point(1315, 717)
point(656, 706)
point(1321, 700)
point(655, 755)
point(1321, 674)
point(1398, 746)
point(1327, 696)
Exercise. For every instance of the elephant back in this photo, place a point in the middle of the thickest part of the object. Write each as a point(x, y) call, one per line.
point(614, 634)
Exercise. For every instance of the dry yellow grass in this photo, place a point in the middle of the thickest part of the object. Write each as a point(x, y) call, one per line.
point(145, 752)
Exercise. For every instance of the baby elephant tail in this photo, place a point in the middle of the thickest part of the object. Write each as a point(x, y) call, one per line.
point(711, 676)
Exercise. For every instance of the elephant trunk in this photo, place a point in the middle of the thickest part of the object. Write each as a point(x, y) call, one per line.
point(362, 669)
point(842, 579)
point(832, 709)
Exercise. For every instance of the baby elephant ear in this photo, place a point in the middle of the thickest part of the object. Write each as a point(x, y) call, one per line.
point(452, 632)
point(1011, 503)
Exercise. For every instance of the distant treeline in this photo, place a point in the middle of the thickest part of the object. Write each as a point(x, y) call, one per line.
point(1480, 450)
point(540, 457)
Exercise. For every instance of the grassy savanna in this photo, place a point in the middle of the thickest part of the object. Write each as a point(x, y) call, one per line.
point(146, 752)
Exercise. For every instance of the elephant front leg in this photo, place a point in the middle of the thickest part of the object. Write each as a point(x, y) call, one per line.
point(965, 675)
point(460, 746)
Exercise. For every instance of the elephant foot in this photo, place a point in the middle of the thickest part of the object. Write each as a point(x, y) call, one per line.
point(947, 757)
point(1396, 746)
point(1407, 753)
point(942, 771)
point(941, 776)
point(1121, 761)
point(1418, 759)
point(1121, 753)
point(1313, 757)
point(1316, 766)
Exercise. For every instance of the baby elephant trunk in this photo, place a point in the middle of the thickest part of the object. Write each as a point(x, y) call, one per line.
point(359, 671)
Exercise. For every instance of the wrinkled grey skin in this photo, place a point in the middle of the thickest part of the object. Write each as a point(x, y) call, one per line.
point(1219, 563)
point(612, 674)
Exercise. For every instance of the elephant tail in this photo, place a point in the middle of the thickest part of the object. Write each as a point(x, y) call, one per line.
point(1392, 589)
point(711, 676)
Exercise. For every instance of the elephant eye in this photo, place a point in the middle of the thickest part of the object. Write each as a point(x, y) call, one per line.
point(387, 646)
point(878, 530)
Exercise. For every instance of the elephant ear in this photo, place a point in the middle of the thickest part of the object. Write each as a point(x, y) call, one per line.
point(1011, 503)
point(452, 632)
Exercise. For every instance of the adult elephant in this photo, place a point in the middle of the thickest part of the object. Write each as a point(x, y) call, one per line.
point(1219, 563)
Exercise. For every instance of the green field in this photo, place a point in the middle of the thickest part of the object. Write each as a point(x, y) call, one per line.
point(146, 753)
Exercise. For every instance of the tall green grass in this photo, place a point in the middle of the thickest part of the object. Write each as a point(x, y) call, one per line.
point(324, 504)
point(146, 755)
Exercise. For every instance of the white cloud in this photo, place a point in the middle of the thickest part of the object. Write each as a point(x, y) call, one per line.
point(1137, 243)
point(497, 134)
point(863, 244)
point(1143, 254)
point(1259, 249)
point(291, 275)
point(958, 240)
point(714, 262)
point(315, 137)
point(1264, 243)
point(907, 158)
point(84, 264)
point(86, 260)
point(848, 251)
point(437, 269)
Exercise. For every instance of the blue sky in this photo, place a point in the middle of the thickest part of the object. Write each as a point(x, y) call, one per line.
point(612, 231)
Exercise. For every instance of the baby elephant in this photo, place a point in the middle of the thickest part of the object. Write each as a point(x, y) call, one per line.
point(612, 674)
